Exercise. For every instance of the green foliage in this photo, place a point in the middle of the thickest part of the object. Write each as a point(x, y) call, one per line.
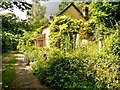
point(11, 24)
point(101, 14)
point(81, 68)
point(38, 31)
point(16, 33)
point(63, 5)
point(12, 60)
point(9, 5)
point(67, 71)
point(36, 15)
point(36, 21)
point(60, 69)
point(9, 41)
point(106, 13)
point(114, 43)
point(23, 5)
point(63, 28)
point(26, 41)
point(112, 53)
point(105, 65)
point(12, 30)
point(36, 58)
point(8, 76)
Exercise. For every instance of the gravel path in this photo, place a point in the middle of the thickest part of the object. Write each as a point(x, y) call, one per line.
point(25, 80)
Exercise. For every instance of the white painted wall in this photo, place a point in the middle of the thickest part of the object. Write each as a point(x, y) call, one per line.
point(47, 32)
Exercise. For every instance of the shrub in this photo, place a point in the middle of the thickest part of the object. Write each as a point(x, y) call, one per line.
point(105, 65)
point(67, 71)
point(83, 67)
point(9, 42)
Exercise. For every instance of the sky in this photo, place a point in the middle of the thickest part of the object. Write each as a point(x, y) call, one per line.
point(51, 8)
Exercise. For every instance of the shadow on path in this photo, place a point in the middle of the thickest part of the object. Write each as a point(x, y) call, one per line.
point(25, 80)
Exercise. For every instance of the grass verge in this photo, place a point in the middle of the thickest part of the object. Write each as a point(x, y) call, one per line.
point(4, 54)
point(8, 77)
point(12, 60)
point(9, 74)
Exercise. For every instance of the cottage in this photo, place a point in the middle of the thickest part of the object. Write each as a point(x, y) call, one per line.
point(73, 12)
point(43, 40)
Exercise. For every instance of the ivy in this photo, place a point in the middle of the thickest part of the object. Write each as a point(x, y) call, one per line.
point(64, 29)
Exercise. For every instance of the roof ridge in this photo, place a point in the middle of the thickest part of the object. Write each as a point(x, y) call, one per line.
point(72, 3)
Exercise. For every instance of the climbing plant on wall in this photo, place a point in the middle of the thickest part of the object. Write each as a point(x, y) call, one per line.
point(65, 30)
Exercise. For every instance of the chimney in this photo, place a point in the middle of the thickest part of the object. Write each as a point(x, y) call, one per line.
point(85, 12)
point(51, 17)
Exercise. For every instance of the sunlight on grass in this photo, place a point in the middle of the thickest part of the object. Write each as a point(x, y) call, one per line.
point(8, 76)
point(12, 60)
point(15, 55)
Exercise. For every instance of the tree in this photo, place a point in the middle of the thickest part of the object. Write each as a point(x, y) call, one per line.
point(62, 5)
point(12, 30)
point(36, 15)
point(12, 24)
point(106, 13)
point(9, 5)
point(22, 5)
